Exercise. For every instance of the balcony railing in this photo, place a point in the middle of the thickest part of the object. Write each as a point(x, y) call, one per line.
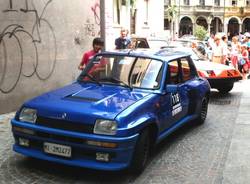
point(233, 9)
point(186, 8)
point(218, 9)
point(200, 8)
point(247, 9)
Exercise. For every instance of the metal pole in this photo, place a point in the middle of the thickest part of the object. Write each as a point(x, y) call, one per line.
point(102, 23)
point(224, 17)
point(179, 15)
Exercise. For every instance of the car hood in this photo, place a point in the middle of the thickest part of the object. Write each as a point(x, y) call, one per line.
point(85, 101)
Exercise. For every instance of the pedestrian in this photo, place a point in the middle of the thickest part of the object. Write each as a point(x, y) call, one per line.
point(97, 45)
point(226, 50)
point(243, 61)
point(235, 51)
point(210, 41)
point(123, 42)
point(210, 44)
point(218, 53)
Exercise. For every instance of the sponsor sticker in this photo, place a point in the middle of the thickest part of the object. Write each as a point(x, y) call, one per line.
point(176, 104)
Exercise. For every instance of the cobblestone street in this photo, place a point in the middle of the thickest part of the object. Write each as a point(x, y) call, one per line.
point(194, 154)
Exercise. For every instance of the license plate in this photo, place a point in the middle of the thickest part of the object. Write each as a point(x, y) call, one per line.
point(57, 149)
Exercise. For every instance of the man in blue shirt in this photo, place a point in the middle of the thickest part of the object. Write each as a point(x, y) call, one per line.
point(123, 42)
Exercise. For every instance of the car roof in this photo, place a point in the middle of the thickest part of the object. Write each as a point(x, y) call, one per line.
point(159, 54)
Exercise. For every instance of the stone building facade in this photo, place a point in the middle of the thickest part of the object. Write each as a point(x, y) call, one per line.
point(229, 16)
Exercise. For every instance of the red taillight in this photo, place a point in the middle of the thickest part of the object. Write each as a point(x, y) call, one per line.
point(201, 74)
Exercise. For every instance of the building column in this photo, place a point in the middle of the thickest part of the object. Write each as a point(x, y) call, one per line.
point(240, 28)
point(176, 30)
point(226, 29)
point(193, 28)
point(208, 28)
point(216, 25)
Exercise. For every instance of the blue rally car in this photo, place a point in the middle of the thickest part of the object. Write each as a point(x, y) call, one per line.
point(122, 104)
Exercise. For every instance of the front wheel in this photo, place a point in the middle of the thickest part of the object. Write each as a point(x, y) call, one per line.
point(141, 153)
point(203, 111)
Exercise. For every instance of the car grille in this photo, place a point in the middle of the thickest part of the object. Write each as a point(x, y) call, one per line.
point(64, 125)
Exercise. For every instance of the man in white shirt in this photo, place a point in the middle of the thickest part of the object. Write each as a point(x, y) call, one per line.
point(210, 44)
point(218, 51)
point(226, 50)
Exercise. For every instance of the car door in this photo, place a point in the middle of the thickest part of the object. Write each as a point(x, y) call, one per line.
point(190, 85)
point(184, 87)
point(172, 102)
point(182, 76)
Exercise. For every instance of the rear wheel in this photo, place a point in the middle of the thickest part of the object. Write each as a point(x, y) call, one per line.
point(141, 152)
point(203, 111)
point(225, 89)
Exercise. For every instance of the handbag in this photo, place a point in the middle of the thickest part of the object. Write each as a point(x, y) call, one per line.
point(241, 60)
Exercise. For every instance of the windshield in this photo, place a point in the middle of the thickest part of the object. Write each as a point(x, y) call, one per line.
point(123, 70)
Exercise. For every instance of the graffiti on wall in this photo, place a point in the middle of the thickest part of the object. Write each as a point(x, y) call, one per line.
point(96, 13)
point(91, 26)
point(23, 52)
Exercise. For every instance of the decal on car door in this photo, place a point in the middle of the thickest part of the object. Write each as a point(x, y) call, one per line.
point(176, 103)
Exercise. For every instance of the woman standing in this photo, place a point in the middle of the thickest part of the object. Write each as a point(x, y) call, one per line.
point(243, 64)
point(235, 51)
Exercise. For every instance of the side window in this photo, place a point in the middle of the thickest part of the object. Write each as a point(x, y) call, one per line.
point(141, 44)
point(185, 70)
point(173, 73)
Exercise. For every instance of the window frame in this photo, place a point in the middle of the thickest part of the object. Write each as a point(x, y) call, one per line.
point(193, 71)
point(217, 2)
point(186, 2)
point(235, 2)
point(202, 2)
point(116, 11)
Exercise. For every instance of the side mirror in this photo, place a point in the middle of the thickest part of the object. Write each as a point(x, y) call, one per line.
point(96, 60)
point(171, 88)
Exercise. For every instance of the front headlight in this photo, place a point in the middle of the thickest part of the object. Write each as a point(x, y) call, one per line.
point(28, 115)
point(105, 127)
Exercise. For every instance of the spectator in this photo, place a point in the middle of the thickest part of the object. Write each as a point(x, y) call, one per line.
point(123, 42)
point(218, 54)
point(210, 44)
point(244, 62)
point(235, 51)
point(97, 44)
point(210, 41)
point(225, 48)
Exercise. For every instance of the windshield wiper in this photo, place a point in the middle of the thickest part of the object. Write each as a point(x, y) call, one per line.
point(91, 78)
point(112, 79)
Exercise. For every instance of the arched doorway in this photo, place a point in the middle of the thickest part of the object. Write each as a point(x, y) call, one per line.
point(185, 26)
point(216, 25)
point(201, 21)
point(246, 25)
point(233, 27)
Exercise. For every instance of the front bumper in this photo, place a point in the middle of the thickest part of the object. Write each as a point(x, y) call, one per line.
point(83, 155)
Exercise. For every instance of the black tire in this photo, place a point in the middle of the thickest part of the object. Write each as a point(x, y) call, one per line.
point(141, 153)
point(203, 111)
point(226, 89)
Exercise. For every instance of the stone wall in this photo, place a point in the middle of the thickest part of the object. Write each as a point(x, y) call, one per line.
point(41, 45)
